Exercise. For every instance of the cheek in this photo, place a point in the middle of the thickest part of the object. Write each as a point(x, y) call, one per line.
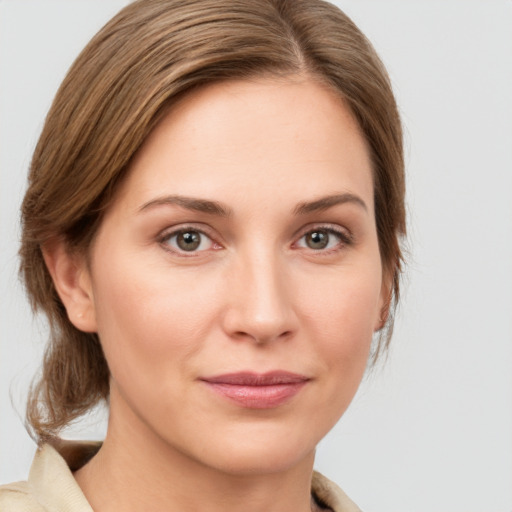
point(346, 335)
point(149, 319)
point(341, 313)
point(344, 304)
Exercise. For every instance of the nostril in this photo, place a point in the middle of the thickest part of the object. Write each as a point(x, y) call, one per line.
point(262, 338)
point(261, 306)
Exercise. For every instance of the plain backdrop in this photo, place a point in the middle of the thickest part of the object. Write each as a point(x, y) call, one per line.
point(431, 429)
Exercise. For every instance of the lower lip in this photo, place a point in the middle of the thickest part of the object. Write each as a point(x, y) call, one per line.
point(258, 397)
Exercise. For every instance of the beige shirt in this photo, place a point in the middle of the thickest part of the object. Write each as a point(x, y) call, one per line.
point(51, 486)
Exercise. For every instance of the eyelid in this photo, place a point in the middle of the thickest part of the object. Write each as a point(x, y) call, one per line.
point(169, 232)
point(346, 237)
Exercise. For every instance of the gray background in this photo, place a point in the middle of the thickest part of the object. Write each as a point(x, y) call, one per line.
point(431, 429)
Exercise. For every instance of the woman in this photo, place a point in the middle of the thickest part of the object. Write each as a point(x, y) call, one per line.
point(212, 227)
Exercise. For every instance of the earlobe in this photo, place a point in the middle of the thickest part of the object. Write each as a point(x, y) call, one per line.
point(72, 281)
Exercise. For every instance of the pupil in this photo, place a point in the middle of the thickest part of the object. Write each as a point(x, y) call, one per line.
point(317, 240)
point(188, 241)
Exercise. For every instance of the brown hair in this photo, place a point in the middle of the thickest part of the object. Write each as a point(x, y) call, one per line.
point(144, 59)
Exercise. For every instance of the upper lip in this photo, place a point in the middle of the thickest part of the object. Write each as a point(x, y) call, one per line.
point(272, 378)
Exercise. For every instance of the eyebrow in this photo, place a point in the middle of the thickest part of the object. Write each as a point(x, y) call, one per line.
point(190, 203)
point(324, 203)
point(216, 208)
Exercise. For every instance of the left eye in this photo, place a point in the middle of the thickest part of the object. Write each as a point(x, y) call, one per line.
point(320, 239)
point(188, 240)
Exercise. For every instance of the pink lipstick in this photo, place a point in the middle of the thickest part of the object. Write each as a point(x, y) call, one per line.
point(256, 390)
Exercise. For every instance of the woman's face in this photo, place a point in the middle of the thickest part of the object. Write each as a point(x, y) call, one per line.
point(236, 281)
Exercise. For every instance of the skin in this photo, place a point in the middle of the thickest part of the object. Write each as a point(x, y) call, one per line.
point(254, 296)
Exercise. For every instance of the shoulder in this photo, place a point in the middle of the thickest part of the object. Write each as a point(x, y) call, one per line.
point(51, 485)
point(330, 496)
point(18, 497)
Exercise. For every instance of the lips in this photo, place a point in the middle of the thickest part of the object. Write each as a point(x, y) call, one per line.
point(256, 390)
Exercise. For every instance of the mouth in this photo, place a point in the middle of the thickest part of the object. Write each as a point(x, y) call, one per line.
point(257, 390)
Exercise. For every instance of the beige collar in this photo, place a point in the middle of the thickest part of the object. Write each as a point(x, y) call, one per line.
point(52, 483)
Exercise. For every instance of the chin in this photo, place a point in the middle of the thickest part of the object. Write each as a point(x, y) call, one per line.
point(261, 458)
point(257, 449)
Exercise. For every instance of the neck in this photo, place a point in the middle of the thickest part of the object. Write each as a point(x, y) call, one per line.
point(137, 470)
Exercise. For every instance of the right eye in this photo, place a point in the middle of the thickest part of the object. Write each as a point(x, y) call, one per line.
point(187, 241)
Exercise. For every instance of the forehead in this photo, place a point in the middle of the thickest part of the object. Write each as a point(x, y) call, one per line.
point(279, 138)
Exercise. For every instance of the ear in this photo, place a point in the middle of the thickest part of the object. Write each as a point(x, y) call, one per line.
point(386, 295)
point(72, 281)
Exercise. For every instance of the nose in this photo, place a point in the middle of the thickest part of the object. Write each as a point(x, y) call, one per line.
point(260, 306)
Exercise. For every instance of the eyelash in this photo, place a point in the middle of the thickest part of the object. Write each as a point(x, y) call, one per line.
point(168, 235)
point(344, 239)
